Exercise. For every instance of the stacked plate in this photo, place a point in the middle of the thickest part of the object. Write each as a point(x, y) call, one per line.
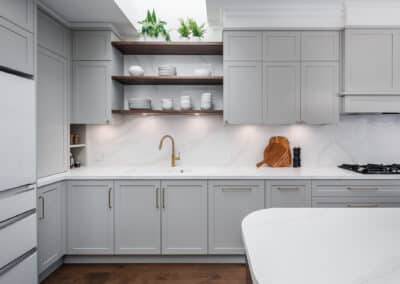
point(186, 103)
point(139, 103)
point(166, 70)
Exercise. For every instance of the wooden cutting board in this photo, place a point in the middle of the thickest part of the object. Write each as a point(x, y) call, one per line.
point(277, 153)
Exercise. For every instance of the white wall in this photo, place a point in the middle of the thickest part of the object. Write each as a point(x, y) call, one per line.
point(204, 141)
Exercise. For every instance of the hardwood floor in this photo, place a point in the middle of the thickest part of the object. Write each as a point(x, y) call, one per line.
point(149, 274)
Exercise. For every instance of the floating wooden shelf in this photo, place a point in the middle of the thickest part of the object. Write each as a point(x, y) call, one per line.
point(170, 112)
point(169, 48)
point(168, 80)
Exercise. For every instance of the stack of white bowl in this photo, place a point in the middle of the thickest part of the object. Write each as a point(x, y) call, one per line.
point(186, 103)
point(139, 103)
point(166, 70)
point(166, 104)
point(206, 102)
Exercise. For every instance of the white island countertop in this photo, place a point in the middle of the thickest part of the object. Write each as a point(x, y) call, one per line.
point(114, 173)
point(323, 246)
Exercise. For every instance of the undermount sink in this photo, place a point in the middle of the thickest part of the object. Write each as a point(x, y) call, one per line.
point(161, 170)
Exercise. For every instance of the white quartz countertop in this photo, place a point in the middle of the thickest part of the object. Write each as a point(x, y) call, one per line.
point(329, 246)
point(208, 173)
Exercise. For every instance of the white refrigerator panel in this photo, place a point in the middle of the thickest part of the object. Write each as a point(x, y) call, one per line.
point(17, 131)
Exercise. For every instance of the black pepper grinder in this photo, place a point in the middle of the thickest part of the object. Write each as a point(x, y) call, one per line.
point(296, 157)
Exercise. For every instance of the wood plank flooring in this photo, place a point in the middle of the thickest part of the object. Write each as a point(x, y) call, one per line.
point(149, 274)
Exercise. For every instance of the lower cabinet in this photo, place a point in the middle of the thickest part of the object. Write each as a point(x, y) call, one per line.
point(184, 217)
point(288, 193)
point(51, 239)
point(137, 217)
point(356, 202)
point(229, 203)
point(90, 215)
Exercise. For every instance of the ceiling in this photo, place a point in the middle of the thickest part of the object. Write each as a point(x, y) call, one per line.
point(91, 11)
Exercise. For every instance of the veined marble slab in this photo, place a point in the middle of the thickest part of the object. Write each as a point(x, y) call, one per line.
point(329, 246)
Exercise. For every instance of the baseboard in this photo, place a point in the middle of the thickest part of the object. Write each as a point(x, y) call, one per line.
point(154, 259)
point(50, 269)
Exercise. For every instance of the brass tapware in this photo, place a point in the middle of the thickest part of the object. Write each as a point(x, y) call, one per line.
point(174, 157)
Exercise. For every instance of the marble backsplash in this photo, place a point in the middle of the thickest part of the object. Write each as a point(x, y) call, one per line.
point(205, 141)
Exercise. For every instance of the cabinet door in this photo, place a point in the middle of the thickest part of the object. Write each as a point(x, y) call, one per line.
point(16, 47)
point(184, 217)
point(281, 93)
point(137, 217)
point(229, 203)
point(52, 120)
point(320, 46)
point(369, 61)
point(289, 193)
point(91, 45)
point(242, 45)
point(50, 247)
point(20, 12)
point(90, 216)
point(320, 92)
point(281, 46)
point(242, 92)
point(91, 88)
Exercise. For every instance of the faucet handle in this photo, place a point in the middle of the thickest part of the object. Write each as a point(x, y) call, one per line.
point(178, 157)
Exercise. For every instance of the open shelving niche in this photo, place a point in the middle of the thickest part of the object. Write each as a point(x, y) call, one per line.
point(168, 48)
point(78, 150)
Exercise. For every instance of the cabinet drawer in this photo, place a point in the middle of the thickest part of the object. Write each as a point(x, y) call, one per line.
point(16, 47)
point(356, 188)
point(317, 46)
point(356, 202)
point(17, 238)
point(17, 202)
point(290, 193)
point(24, 272)
point(242, 45)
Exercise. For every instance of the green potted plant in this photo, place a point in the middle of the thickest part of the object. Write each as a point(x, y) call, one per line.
point(184, 30)
point(196, 30)
point(153, 27)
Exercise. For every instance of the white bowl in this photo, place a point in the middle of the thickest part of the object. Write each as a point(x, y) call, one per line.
point(202, 72)
point(136, 70)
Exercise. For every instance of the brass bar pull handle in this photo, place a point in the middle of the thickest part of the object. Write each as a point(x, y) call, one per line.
point(288, 188)
point(163, 198)
point(109, 198)
point(362, 205)
point(157, 198)
point(362, 188)
point(238, 189)
point(41, 198)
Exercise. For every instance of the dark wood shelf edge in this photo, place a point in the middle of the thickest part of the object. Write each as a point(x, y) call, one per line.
point(167, 80)
point(170, 112)
point(169, 48)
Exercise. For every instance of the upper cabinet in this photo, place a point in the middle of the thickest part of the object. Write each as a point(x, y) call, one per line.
point(94, 94)
point(296, 80)
point(242, 46)
point(372, 70)
point(19, 12)
point(281, 46)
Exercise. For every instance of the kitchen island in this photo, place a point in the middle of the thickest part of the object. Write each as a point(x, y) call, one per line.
point(330, 246)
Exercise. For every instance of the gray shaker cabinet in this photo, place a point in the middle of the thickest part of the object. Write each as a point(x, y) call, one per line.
point(243, 98)
point(242, 46)
point(19, 12)
point(52, 96)
point(137, 217)
point(281, 46)
point(281, 93)
point(288, 193)
point(92, 45)
point(372, 61)
point(184, 216)
point(320, 46)
point(91, 88)
point(90, 218)
point(320, 92)
point(229, 202)
point(50, 225)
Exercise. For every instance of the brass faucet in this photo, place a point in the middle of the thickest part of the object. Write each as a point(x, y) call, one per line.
point(174, 157)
